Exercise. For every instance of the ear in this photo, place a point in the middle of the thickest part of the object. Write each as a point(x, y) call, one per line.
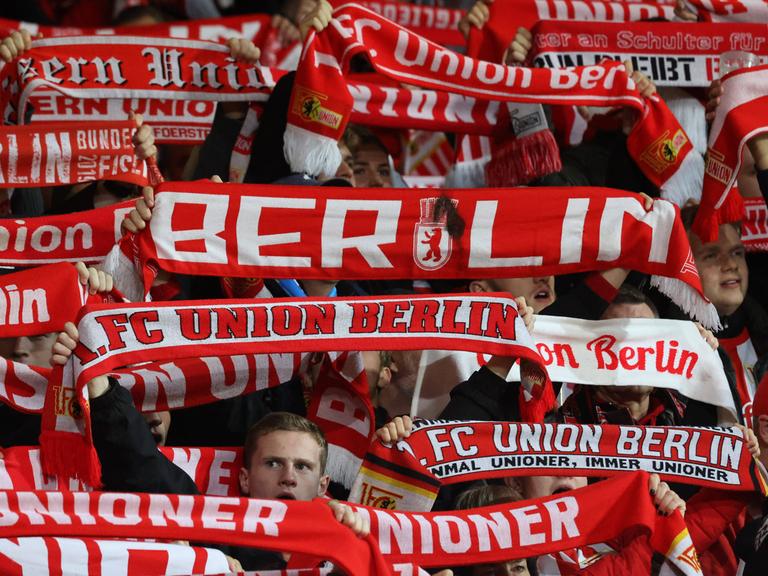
point(762, 429)
point(322, 487)
point(479, 286)
point(385, 377)
point(244, 484)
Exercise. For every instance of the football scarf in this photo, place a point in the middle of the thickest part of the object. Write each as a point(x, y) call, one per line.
point(407, 475)
point(496, 35)
point(484, 535)
point(669, 53)
point(130, 67)
point(319, 111)
point(214, 470)
point(78, 237)
point(35, 156)
point(91, 556)
point(438, 24)
point(739, 117)
point(731, 11)
point(620, 352)
point(296, 232)
point(743, 357)
point(307, 528)
point(754, 225)
point(251, 26)
point(39, 301)
point(113, 336)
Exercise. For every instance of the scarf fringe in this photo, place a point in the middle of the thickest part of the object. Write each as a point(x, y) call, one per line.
point(688, 300)
point(310, 153)
point(469, 174)
point(342, 466)
point(686, 183)
point(521, 160)
point(68, 455)
point(124, 273)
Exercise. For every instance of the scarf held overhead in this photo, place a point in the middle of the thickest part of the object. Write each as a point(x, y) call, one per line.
point(486, 535)
point(669, 53)
point(131, 67)
point(62, 153)
point(497, 34)
point(300, 527)
point(319, 110)
point(619, 352)
point(740, 116)
point(334, 234)
point(78, 237)
point(123, 335)
point(407, 475)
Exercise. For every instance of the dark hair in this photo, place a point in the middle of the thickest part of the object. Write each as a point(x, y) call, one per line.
point(356, 136)
point(688, 215)
point(628, 294)
point(487, 495)
point(288, 422)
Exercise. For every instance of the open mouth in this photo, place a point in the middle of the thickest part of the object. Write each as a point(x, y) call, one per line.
point(286, 496)
point(732, 283)
point(561, 490)
point(542, 294)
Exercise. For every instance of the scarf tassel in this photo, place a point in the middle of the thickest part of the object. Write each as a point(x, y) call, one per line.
point(310, 153)
point(521, 160)
point(689, 301)
point(70, 456)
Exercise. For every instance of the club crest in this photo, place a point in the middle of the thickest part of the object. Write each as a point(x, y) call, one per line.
point(431, 243)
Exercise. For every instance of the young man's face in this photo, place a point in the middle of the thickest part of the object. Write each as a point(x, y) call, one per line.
point(723, 269)
point(370, 165)
point(284, 465)
point(30, 350)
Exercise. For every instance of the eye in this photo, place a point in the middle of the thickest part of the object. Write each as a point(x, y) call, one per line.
point(272, 463)
point(302, 466)
point(739, 253)
point(384, 171)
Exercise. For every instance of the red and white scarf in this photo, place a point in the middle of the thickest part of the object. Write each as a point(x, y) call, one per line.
point(620, 352)
point(731, 10)
point(453, 538)
point(131, 67)
point(439, 453)
point(78, 237)
point(496, 35)
point(319, 111)
point(91, 556)
point(157, 386)
point(436, 23)
point(213, 470)
point(298, 232)
point(64, 153)
point(41, 300)
point(669, 53)
point(743, 357)
point(306, 528)
point(754, 225)
point(740, 116)
point(113, 336)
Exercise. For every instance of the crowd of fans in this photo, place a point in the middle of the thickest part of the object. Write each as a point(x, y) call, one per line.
point(285, 453)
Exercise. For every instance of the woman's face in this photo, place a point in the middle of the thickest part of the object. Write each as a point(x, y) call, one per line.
point(512, 568)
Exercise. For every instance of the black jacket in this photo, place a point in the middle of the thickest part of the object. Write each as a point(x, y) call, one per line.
point(130, 460)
